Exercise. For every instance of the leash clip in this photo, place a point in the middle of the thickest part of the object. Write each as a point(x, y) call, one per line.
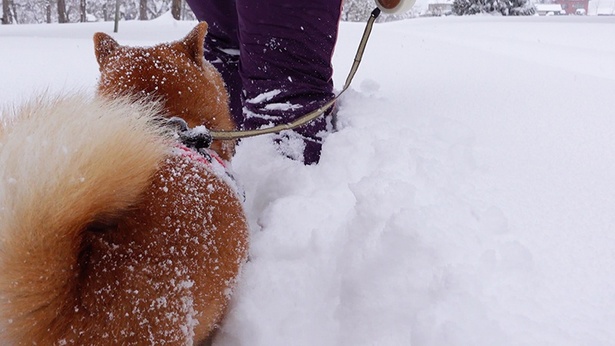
point(195, 138)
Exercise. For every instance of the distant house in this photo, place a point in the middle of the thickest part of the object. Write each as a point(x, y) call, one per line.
point(574, 6)
point(549, 9)
point(439, 8)
point(601, 8)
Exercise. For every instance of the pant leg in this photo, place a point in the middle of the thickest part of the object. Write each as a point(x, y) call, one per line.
point(285, 65)
point(222, 45)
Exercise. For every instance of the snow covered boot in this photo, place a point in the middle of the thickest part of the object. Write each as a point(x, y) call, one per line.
point(275, 57)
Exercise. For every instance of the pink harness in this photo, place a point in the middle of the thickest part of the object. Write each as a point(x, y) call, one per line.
point(206, 156)
point(216, 165)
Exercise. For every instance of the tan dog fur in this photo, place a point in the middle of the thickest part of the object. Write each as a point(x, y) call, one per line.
point(107, 235)
point(188, 85)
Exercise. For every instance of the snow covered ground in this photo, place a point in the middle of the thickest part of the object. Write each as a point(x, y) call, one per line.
point(469, 198)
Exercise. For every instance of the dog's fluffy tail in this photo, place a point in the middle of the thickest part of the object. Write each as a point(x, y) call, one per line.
point(65, 164)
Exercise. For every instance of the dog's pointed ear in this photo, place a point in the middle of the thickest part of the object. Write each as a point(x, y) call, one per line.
point(104, 45)
point(194, 41)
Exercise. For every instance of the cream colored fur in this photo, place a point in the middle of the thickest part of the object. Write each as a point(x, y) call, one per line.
point(65, 162)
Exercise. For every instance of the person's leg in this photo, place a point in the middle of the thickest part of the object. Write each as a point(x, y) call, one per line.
point(285, 64)
point(222, 45)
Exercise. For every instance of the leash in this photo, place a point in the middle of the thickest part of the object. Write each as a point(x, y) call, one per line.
point(226, 135)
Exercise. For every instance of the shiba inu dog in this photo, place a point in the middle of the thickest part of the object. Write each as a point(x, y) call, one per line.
point(112, 232)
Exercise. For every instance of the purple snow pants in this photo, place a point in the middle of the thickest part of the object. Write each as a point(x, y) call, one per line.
point(275, 57)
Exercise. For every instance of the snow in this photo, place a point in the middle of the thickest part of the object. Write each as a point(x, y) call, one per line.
point(601, 7)
point(553, 8)
point(466, 200)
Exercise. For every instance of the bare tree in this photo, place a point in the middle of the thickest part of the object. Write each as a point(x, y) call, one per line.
point(176, 9)
point(62, 17)
point(14, 11)
point(64, 11)
point(7, 16)
point(142, 9)
point(48, 11)
point(116, 19)
point(82, 11)
point(105, 12)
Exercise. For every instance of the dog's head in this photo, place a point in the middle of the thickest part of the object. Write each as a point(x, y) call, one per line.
point(175, 74)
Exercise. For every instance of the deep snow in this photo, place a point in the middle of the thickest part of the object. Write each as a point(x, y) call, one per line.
point(466, 200)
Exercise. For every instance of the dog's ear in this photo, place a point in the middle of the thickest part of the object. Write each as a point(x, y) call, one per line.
point(194, 41)
point(104, 45)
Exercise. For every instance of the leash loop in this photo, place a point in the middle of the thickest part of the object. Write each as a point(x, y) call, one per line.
point(226, 135)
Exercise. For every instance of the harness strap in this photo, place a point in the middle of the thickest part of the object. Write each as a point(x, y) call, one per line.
point(225, 135)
